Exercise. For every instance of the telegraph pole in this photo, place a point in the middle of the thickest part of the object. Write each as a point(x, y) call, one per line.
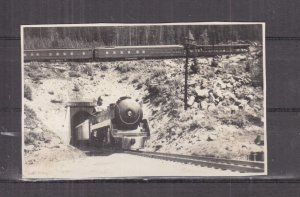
point(187, 51)
point(188, 42)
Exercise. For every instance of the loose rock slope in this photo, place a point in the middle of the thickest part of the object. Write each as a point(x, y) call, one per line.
point(225, 102)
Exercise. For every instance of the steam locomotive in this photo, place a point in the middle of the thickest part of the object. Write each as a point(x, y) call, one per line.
point(131, 52)
point(121, 125)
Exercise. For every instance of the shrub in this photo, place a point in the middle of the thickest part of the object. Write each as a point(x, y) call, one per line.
point(160, 135)
point(254, 120)
point(194, 125)
point(125, 68)
point(139, 86)
point(89, 70)
point(214, 63)
point(157, 72)
point(36, 77)
point(29, 113)
point(56, 101)
point(209, 127)
point(30, 118)
point(159, 100)
point(195, 68)
point(34, 65)
point(157, 147)
point(138, 78)
point(185, 115)
point(99, 101)
point(27, 92)
point(76, 88)
point(30, 137)
point(237, 119)
point(210, 74)
point(135, 80)
point(74, 74)
point(73, 66)
point(104, 67)
point(256, 73)
point(51, 92)
point(124, 78)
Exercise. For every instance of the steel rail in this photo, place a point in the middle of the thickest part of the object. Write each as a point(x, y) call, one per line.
point(218, 163)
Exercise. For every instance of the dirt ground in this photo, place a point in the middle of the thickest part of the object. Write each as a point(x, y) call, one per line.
point(109, 166)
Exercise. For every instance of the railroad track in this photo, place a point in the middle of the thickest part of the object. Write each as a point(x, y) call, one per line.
point(210, 162)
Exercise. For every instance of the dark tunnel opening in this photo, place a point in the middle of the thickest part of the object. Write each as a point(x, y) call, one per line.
point(78, 118)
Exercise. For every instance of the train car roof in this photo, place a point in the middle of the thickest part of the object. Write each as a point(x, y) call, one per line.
point(29, 50)
point(224, 45)
point(141, 46)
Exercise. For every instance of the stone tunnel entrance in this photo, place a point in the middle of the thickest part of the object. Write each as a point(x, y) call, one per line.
point(77, 112)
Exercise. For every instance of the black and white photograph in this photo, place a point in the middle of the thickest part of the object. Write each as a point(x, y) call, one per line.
point(143, 100)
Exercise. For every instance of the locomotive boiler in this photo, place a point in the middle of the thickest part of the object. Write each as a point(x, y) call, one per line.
point(121, 125)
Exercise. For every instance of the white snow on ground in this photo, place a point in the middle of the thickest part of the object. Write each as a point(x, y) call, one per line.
point(121, 165)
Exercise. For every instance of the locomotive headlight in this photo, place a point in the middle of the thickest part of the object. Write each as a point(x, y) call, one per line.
point(129, 113)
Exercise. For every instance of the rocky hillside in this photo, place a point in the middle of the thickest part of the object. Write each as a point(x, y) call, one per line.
point(41, 144)
point(225, 107)
point(225, 98)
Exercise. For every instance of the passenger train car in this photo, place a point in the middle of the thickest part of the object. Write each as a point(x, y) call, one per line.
point(131, 52)
point(121, 125)
point(58, 54)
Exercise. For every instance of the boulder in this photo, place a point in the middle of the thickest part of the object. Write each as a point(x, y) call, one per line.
point(60, 69)
point(233, 108)
point(196, 105)
point(223, 85)
point(228, 85)
point(202, 61)
point(229, 95)
point(243, 102)
point(249, 97)
point(204, 105)
point(211, 107)
point(212, 137)
point(29, 148)
point(232, 138)
point(203, 93)
point(233, 64)
point(259, 140)
point(218, 92)
point(191, 101)
point(257, 107)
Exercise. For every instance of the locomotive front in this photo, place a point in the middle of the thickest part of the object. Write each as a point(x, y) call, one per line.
point(128, 123)
point(128, 114)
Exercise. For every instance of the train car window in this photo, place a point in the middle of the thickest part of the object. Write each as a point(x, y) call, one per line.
point(25, 54)
point(31, 54)
point(64, 53)
point(128, 52)
point(106, 52)
point(121, 52)
point(114, 52)
point(71, 53)
point(83, 53)
point(143, 51)
point(50, 54)
point(37, 54)
point(137, 52)
point(57, 54)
